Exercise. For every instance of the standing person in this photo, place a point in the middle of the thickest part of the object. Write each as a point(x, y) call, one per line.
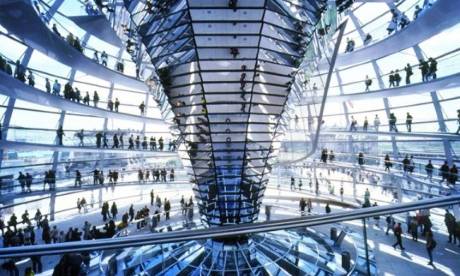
point(387, 163)
point(444, 171)
point(95, 98)
point(397, 230)
point(450, 222)
point(432, 68)
point(430, 246)
point(47, 85)
point(409, 119)
point(302, 205)
point(182, 205)
point(167, 208)
point(81, 137)
point(59, 134)
point(142, 108)
point(131, 212)
point(78, 178)
point(292, 183)
point(327, 208)
point(409, 73)
point(413, 226)
point(114, 210)
point(152, 197)
point(376, 123)
point(424, 69)
point(392, 122)
point(368, 83)
point(365, 124)
point(429, 171)
point(116, 104)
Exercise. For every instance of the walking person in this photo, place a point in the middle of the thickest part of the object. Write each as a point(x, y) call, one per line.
point(397, 230)
point(430, 246)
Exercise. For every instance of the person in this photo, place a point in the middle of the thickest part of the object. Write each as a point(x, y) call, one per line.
point(105, 210)
point(424, 69)
point(409, 73)
point(302, 205)
point(152, 197)
point(114, 210)
point(376, 123)
point(367, 39)
point(116, 104)
point(397, 78)
point(392, 25)
point(331, 156)
point(99, 139)
point(430, 246)
point(131, 213)
point(328, 208)
point(324, 156)
point(37, 265)
point(38, 218)
point(368, 83)
point(409, 119)
point(417, 11)
point(444, 172)
point(397, 230)
point(56, 88)
point(458, 122)
point(453, 175)
point(116, 142)
point(167, 208)
point(79, 205)
point(429, 171)
point(110, 105)
point(104, 58)
point(182, 205)
point(391, 79)
point(450, 222)
point(268, 212)
point(432, 68)
point(390, 223)
point(367, 197)
point(171, 175)
point(365, 124)
point(392, 122)
point(95, 98)
point(86, 98)
point(292, 183)
point(142, 108)
point(361, 159)
point(78, 181)
point(96, 56)
point(405, 163)
point(353, 124)
point(20, 72)
point(59, 134)
point(387, 163)
point(350, 45)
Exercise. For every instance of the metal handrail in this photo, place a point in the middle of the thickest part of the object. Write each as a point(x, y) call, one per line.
point(225, 231)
